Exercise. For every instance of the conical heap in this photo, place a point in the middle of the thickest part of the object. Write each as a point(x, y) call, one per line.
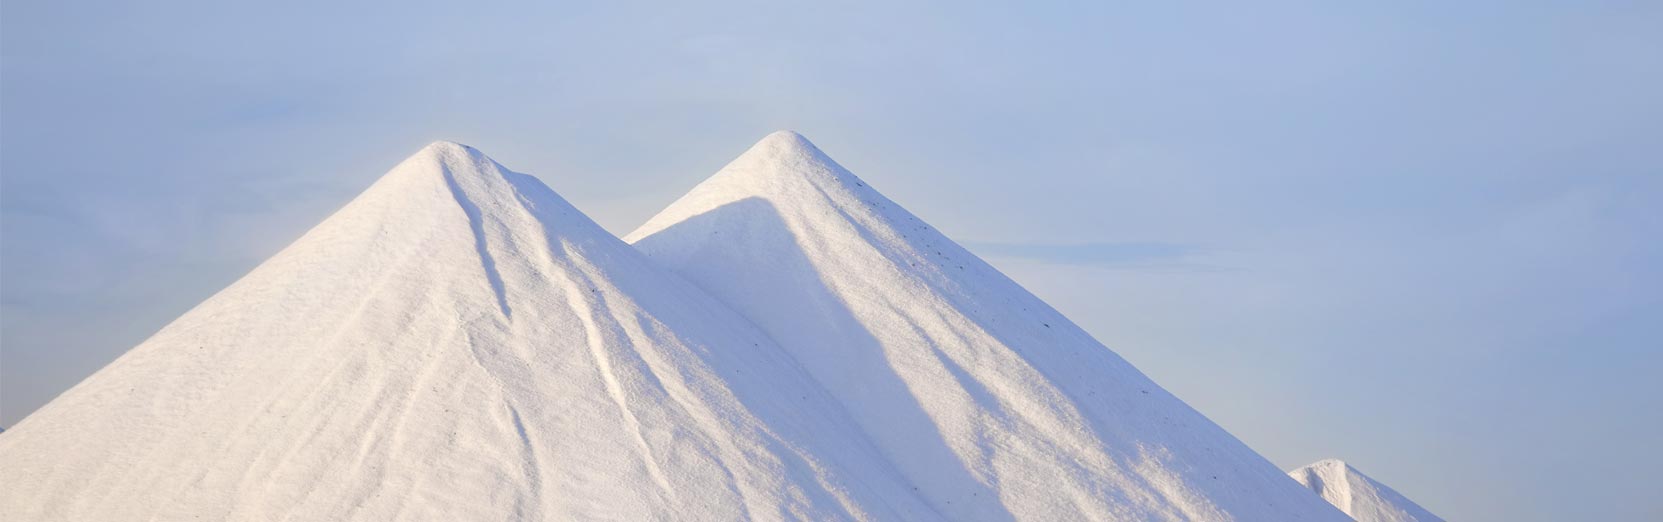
point(457, 343)
point(1359, 495)
point(993, 404)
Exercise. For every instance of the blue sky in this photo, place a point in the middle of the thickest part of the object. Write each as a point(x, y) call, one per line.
point(1418, 236)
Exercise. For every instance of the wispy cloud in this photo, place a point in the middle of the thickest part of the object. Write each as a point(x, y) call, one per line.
point(1136, 255)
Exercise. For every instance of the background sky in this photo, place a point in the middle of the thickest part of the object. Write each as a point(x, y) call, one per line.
point(1424, 237)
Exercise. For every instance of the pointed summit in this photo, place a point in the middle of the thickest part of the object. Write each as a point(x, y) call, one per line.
point(993, 404)
point(786, 140)
point(787, 152)
point(783, 148)
point(442, 148)
point(783, 161)
point(1359, 495)
point(783, 166)
point(457, 343)
point(446, 157)
point(468, 180)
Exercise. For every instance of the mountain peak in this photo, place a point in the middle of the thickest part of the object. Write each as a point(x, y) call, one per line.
point(787, 141)
point(783, 153)
point(1329, 463)
point(449, 146)
point(784, 141)
point(445, 176)
point(783, 168)
point(443, 152)
point(447, 155)
point(786, 136)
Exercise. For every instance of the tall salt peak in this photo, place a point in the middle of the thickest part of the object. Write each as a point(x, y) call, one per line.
point(784, 165)
point(457, 343)
point(989, 401)
point(1359, 495)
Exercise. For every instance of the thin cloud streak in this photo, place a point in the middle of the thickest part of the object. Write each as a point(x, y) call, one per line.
point(1109, 255)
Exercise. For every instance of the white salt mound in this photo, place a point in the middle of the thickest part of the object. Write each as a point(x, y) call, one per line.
point(1358, 495)
point(458, 343)
point(989, 401)
point(783, 343)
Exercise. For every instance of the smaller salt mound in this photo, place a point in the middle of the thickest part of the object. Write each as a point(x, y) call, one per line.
point(1358, 495)
point(991, 403)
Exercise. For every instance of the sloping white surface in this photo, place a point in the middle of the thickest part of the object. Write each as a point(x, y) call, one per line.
point(989, 401)
point(1358, 495)
point(458, 343)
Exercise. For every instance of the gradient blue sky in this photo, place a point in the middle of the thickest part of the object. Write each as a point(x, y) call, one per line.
point(1423, 237)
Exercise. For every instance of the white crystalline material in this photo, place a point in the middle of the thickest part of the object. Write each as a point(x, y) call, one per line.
point(986, 399)
point(458, 343)
point(1358, 495)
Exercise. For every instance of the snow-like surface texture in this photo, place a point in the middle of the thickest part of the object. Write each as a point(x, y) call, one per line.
point(986, 399)
point(1358, 495)
point(458, 343)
